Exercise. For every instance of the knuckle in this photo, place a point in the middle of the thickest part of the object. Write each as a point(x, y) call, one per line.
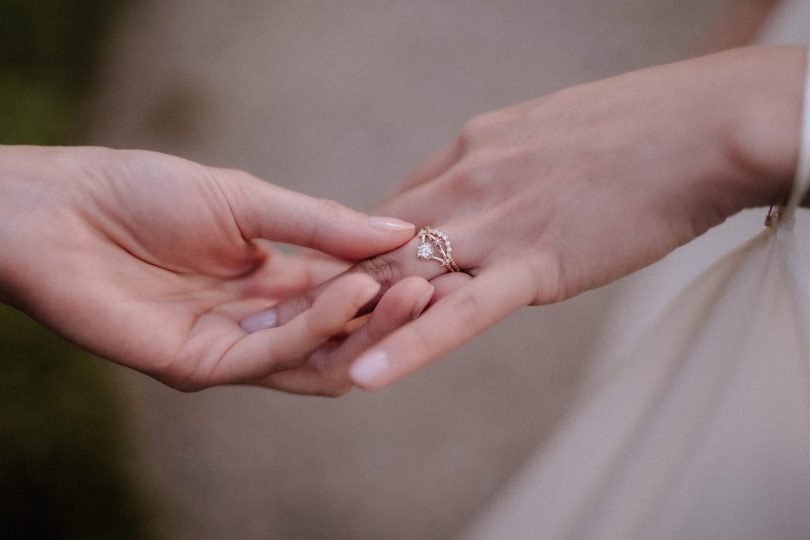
point(318, 230)
point(461, 176)
point(236, 184)
point(332, 208)
point(471, 176)
point(386, 270)
point(480, 126)
point(478, 175)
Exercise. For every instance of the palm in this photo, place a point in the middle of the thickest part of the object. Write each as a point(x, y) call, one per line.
point(155, 271)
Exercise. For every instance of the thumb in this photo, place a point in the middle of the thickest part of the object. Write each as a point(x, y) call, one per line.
point(263, 210)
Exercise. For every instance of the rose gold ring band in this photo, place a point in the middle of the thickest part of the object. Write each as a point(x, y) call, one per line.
point(435, 246)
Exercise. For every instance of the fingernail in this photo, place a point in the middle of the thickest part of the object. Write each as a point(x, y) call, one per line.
point(260, 321)
point(368, 368)
point(422, 303)
point(389, 224)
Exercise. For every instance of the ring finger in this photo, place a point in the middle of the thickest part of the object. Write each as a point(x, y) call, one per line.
point(387, 269)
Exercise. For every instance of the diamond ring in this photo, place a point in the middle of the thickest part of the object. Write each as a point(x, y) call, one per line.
point(435, 246)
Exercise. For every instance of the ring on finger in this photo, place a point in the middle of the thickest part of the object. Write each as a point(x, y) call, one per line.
point(435, 246)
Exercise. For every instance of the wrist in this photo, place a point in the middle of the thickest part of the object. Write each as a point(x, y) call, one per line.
point(30, 205)
point(10, 219)
point(764, 90)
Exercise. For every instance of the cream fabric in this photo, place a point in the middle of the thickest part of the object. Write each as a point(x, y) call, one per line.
point(697, 424)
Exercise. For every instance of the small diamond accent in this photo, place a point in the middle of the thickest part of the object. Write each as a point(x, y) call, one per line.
point(435, 245)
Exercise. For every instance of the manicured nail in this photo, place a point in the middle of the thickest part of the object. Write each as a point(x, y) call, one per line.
point(260, 321)
point(368, 368)
point(422, 303)
point(389, 224)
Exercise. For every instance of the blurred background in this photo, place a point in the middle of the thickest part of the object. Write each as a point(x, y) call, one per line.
point(337, 99)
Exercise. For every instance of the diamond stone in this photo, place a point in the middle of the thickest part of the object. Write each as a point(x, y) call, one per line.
point(424, 251)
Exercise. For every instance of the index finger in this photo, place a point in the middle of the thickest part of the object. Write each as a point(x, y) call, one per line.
point(263, 210)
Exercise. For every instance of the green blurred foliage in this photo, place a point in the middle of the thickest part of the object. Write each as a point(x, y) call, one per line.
point(65, 462)
point(65, 469)
point(48, 49)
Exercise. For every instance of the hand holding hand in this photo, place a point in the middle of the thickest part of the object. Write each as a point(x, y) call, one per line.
point(152, 261)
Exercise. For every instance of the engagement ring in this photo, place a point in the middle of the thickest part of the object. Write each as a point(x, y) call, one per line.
point(434, 245)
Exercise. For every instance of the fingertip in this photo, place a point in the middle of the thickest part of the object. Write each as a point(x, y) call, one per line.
point(367, 285)
point(260, 321)
point(368, 371)
point(422, 302)
point(413, 285)
point(389, 224)
point(381, 234)
point(369, 291)
point(352, 287)
point(403, 302)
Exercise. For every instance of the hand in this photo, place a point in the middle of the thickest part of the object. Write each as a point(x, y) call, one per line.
point(556, 196)
point(152, 261)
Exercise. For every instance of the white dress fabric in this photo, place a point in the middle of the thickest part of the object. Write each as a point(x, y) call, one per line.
point(695, 423)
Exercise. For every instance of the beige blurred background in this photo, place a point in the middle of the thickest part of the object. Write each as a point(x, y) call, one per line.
point(341, 99)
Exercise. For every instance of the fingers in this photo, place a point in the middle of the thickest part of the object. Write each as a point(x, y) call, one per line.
point(386, 269)
point(325, 372)
point(448, 324)
point(284, 276)
point(263, 210)
point(447, 284)
point(265, 351)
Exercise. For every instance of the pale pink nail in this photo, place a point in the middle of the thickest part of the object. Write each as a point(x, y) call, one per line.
point(422, 303)
point(368, 368)
point(389, 224)
point(260, 321)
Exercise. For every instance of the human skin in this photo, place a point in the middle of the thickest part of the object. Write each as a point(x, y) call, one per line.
point(152, 261)
point(550, 198)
